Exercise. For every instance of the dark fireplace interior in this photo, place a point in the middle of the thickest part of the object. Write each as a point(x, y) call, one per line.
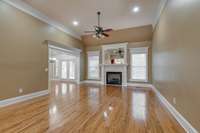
point(114, 78)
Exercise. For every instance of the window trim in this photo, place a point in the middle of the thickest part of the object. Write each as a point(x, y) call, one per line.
point(140, 50)
point(93, 53)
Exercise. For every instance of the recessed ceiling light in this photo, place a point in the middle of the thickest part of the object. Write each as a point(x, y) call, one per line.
point(136, 9)
point(75, 23)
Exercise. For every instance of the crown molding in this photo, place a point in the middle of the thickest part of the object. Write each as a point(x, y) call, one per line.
point(63, 47)
point(161, 8)
point(19, 4)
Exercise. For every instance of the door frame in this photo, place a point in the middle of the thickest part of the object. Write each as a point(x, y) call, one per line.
point(68, 50)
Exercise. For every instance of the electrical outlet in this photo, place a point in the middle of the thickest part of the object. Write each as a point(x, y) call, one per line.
point(174, 100)
point(20, 90)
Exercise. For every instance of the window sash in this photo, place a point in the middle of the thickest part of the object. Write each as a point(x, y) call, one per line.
point(139, 69)
point(64, 68)
point(93, 65)
point(72, 69)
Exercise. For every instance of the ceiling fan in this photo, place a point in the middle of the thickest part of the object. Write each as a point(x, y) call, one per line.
point(99, 32)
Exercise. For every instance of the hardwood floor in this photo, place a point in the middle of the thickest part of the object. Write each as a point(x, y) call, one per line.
point(89, 109)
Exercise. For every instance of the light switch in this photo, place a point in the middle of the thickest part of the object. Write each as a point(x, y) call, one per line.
point(46, 69)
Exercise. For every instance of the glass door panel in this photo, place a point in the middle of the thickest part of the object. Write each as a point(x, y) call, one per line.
point(64, 70)
point(72, 69)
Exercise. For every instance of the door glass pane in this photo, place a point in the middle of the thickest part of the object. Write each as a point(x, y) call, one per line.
point(71, 70)
point(64, 70)
point(56, 68)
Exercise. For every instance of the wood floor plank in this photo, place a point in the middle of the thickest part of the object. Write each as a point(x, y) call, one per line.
point(87, 108)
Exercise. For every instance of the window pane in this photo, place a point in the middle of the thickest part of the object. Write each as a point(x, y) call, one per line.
point(64, 70)
point(139, 73)
point(139, 60)
point(71, 70)
point(139, 66)
point(93, 67)
point(57, 68)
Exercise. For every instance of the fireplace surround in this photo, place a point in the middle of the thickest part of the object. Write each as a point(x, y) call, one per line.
point(107, 66)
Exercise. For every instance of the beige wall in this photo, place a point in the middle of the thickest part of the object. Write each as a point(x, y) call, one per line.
point(176, 52)
point(23, 53)
point(136, 34)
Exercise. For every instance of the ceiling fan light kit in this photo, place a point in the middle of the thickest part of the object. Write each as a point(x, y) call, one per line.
point(98, 36)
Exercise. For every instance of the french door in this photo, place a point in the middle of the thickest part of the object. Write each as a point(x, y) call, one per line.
point(72, 70)
point(64, 68)
point(64, 64)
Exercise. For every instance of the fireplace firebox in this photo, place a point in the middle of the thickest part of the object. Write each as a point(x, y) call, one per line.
point(114, 78)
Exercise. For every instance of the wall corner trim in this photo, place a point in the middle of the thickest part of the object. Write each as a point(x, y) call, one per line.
point(161, 8)
point(26, 97)
point(181, 120)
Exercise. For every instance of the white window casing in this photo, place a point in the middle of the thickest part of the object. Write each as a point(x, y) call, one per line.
point(93, 65)
point(139, 64)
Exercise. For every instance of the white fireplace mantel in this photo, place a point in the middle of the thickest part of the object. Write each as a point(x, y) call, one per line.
point(114, 67)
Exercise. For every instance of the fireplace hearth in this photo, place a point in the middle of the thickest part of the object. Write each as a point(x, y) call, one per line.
point(114, 78)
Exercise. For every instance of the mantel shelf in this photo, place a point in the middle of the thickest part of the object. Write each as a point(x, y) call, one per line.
point(113, 64)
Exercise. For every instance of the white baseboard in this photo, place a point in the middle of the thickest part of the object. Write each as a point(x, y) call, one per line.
point(128, 84)
point(91, 82)
point(181, 120)
point(18, 99)
point(140, 85)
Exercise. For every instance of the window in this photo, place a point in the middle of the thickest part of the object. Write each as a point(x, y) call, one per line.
point(139, 59)
point(93, 65)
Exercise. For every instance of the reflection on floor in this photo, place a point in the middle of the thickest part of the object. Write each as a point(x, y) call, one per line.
point(89, 108)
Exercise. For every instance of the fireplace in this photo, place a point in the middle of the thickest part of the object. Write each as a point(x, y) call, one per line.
point(114, 78)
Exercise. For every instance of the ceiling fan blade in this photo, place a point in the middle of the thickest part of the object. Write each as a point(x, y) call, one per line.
point(106, 35)
point(108, 30)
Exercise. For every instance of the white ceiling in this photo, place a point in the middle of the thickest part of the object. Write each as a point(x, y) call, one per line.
point(116, 14)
